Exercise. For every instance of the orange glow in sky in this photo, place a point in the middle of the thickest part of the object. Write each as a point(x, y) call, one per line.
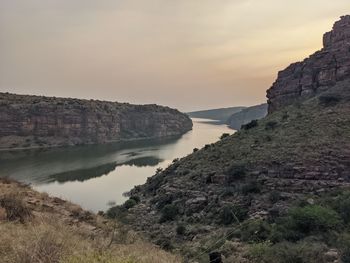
point(188, 54)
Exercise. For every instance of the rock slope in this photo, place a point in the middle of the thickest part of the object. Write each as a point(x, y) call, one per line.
point(300, 149)
point(33, 121)
point(318, 72)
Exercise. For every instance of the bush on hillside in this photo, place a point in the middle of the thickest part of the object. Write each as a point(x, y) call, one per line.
point(15, 208)
point(274, 196)
point(314, 219)
point(255, 231)
point(250, 187)
point(270, 125)
point(286, 252)
point(341, 204)
point(130, 204)
point(169, 213)
point(224, 135)
point(181, 229)
point(329, 100)
point(236, 172)
point(250, 125)
point(232, 214)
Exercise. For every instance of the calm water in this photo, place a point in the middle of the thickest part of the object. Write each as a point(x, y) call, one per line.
point(94, 176)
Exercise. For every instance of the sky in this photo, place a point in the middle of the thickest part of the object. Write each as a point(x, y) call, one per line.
point(186, 54)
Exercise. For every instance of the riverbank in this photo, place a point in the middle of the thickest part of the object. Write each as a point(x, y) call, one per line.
point(47, 229)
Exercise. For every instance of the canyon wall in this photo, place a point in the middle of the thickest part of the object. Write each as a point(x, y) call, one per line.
point(317, 73)
point(35, 121)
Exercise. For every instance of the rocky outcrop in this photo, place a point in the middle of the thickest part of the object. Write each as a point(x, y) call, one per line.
point(318, 72)
point(33, 121)
point(247, 115)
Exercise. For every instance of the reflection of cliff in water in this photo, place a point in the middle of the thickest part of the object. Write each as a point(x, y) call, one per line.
point(79, 163)
point(98, 171)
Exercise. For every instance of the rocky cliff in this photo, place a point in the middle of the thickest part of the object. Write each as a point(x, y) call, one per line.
point(318, 72)
point(33, 121)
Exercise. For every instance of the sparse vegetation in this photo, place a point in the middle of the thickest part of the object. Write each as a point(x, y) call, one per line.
point(15, 208)
point(233, 214)
point(236, 171)
point(181, 229)
point(169, 213)
point(328, 100)
point(44, 236)
point(250, 125)
point(224, 135)
point(270, 125)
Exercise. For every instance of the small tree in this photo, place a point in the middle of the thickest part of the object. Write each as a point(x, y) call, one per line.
point(224, 135)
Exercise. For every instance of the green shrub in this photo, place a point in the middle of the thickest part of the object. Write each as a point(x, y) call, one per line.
point(207, 146)
point(169, 213)
point(228, 191)
point(286, 252)
point(303, 252)
point(164, 243)
point(135, 198)
point(285, 116)
point(117, 212)
point(259, 252)
point(255, 231)
point(341, 204)
point(181, 229)
point(274, 196)
point(250, 125)
point(233, 214)
point(236, 171)
point(270, 125)
point(314, 219)
point(224, 135)
point(344, 245)
point(130, 203)
point(250, 187)
point(268, 138)
point(328, 100)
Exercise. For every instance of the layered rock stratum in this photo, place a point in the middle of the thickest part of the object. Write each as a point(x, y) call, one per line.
point(36, 121)
point(316, 73)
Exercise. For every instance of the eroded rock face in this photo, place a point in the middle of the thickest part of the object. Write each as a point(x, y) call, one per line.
point(27, 121)
point(317, 73)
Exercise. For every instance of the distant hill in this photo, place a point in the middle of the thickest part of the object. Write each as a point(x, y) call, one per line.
point(220, 115)
point(247, 115)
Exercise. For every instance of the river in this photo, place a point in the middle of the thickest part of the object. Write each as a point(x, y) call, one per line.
point(96, 176)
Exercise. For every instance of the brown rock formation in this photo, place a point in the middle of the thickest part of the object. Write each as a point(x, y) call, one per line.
point(33, 121)
point(317, 73)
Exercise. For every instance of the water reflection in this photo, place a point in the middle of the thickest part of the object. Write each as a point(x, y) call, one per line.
point(78, 163)
point(94, 175)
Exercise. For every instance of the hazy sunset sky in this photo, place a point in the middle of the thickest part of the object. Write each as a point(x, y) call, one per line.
point(188, 54)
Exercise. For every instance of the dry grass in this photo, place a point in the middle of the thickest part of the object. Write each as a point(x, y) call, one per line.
point(31, 233)
point(15, 208)
point(47, 241)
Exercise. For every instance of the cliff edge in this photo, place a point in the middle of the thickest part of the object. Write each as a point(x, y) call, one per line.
point(316, 73)
point(37, 121)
